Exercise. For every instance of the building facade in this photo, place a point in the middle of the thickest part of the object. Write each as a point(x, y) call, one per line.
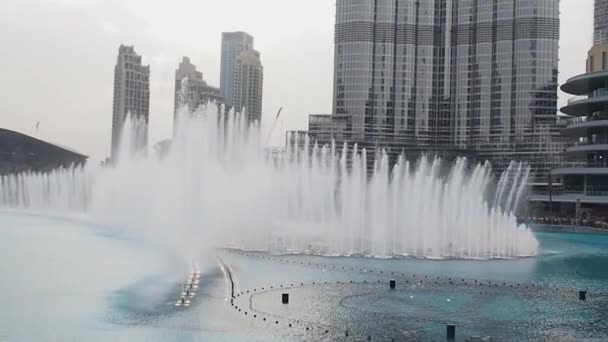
point(249, 84)
point(600, 22)
point(464, 75)
point(584, 173)
point(191, 89)
point(131, 95)
point(233, 43)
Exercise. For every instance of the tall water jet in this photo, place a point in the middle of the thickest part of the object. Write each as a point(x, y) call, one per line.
point(217, 186)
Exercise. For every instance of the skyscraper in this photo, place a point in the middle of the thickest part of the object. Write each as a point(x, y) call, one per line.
point(197, 91)
point(600, 22)
point(248, 84)
point(446, 71)
point(233, 43)
point(446, 75)
point(131, 95)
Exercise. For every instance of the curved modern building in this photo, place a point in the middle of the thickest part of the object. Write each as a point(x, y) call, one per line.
point(587, 175)
point(584, 173)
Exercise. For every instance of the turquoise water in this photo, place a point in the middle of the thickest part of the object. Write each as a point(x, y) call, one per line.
point(529, 299)
point(66, 280)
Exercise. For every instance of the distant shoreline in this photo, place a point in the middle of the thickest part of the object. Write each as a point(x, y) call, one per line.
point(566, 229)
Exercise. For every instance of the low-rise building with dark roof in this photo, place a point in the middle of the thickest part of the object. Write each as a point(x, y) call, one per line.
point(21, 153)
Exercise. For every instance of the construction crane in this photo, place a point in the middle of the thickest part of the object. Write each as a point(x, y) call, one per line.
point(274, 124)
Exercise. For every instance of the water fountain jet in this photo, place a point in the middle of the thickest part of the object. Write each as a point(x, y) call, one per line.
point(217, 186)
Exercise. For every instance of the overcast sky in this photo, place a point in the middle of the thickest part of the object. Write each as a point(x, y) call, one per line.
point(57, 59)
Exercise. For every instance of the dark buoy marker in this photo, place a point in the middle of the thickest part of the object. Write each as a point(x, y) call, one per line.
point(582, 295)
point(285, 298)
point(451, 331)
point(392, 284)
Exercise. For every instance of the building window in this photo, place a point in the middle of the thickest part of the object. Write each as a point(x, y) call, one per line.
point(604, 62)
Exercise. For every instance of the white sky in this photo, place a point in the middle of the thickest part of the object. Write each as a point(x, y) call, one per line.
point(57, 59)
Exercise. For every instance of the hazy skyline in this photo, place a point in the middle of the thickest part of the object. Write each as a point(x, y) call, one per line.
point(58, 57)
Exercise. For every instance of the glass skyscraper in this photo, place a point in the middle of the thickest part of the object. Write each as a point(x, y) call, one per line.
point(233, 43)
point(469, 74)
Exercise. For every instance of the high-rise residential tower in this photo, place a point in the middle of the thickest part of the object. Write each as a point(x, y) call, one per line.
point(191, 89)
point(249, 84)
point(600, 22)
point(233, 43)
point(131, 95)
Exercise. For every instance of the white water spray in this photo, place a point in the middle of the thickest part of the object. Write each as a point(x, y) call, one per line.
point(216, 186)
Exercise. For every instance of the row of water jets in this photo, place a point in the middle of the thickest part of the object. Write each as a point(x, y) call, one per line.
point(217, 186)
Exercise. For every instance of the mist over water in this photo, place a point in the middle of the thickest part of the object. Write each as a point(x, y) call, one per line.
point(217, 186)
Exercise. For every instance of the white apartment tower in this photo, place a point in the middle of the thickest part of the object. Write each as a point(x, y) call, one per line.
point(131, 95)
point(248, 84)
